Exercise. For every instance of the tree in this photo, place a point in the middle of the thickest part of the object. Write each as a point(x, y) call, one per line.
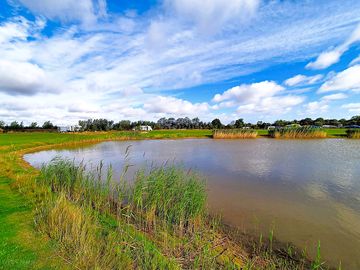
point(239, 123)
point(33, 125)
point(47, 125)
point(2, 124)
point(216, 123)
point(15, 125)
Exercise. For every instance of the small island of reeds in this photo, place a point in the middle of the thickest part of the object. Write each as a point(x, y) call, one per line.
point(234, 134)
point(298, 133)
point(353, 133)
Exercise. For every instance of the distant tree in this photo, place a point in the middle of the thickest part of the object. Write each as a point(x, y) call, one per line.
point(2, 124)
point(216, 123)
point(15, 125)
point(239, 123)
point(319, 122)
point(33, 125)
point(47, 125)
point(306, 122)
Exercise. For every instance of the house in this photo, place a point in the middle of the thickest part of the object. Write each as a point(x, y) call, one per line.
point(271, 127)
point(329, 126)
point(145, 128)
point(64, 129)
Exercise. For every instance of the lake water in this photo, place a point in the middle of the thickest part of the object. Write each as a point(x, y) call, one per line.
point(306, 190)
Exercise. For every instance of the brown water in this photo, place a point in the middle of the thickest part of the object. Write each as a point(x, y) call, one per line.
point(307, 190)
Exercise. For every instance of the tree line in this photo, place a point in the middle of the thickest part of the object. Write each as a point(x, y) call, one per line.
point(179, 123)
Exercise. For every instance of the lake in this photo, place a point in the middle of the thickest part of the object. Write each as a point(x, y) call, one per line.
point(306, 190)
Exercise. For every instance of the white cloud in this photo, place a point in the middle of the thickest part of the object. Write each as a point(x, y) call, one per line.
point(326, 59)
point(212, 15)
point(352, 107)
point(24, 78)
point(303, 80)
point(275, 105)
point(259, 97)
point(316, 107)
point(346, 80)
point(84, 11)
point(175, 106)
point(250, 92)
point(334, 97)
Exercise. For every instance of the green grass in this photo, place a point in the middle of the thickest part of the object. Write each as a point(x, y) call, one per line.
point(20, 248)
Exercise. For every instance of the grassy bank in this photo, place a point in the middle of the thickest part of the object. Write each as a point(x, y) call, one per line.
point(80, 222)
point(234, 134)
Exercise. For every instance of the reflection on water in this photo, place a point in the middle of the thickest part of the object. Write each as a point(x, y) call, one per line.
point(308, 190)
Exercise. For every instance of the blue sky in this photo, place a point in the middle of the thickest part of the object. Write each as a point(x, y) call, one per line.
point(253, 59)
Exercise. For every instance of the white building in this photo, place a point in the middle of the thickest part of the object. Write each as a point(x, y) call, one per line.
point(143, 128)
point(64, 129)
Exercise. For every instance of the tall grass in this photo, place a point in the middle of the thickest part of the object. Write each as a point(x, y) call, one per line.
point(234, 134)
point(297, 133)
point(353, 133)
point(159, 221)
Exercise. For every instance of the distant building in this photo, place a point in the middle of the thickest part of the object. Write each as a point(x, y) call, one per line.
point(271, 127)
point(329, 126)
point(64, 129)
point(143, 128)
point(146, 128)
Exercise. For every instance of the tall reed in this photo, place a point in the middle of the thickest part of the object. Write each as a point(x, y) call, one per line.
point(234, 134)
point(297, 133)
point(353, 133)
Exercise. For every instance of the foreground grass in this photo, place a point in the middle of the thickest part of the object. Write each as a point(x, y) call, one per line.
point(74, 229)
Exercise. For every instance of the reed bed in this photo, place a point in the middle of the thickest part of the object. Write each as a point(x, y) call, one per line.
point(297, 133)
point(353, 133)
point(234, 134)
point(159, 221)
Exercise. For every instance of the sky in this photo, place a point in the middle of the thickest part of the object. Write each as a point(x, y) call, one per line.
point(135, 59)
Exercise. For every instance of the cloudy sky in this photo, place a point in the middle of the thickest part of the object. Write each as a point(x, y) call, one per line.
point(136, 59)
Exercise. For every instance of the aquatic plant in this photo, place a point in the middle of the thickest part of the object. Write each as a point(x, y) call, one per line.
point(234, 134)
point(297, 133)
point(353, 133)
point(159, 221)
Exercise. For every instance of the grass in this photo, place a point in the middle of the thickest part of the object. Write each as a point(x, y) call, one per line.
point(353, 133)
point(160, 222)
point(298, 133)
point(234, 134)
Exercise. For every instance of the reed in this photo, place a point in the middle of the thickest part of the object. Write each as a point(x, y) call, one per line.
point(159, 221)
point(297, 133)
point(353, 133)
point(234, 134)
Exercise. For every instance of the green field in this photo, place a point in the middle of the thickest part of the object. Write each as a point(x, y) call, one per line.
point(24, 247)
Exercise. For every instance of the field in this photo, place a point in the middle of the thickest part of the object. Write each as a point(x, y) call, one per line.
point(28, 245)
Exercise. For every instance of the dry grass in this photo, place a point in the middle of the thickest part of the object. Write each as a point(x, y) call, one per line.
point(353, 133)
point(234, 134)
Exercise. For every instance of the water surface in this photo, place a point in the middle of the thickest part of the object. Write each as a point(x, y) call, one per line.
point(306, 190)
